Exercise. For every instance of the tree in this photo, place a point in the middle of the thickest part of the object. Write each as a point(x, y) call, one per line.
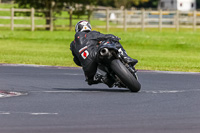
point(124, 3)
point(198, 4)
point(106, 3)
point(42, 4)
point(55, 5)
point(148, 4)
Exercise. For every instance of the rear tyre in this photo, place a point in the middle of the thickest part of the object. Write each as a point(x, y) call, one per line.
point(125, 75)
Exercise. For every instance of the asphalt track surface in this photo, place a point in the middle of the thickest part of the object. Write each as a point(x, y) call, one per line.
point(57, 100)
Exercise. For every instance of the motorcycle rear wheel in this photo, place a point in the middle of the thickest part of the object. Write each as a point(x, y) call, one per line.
point(125, 75)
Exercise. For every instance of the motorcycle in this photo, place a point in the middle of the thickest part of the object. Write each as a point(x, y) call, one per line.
point(113, 67)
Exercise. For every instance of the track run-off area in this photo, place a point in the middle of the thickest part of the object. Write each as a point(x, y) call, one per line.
point(48, 99)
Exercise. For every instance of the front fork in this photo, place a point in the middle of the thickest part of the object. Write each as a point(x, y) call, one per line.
point(129, 67)
point(133, 71)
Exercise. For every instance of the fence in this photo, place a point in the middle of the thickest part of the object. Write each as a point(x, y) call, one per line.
point(112, 19)
point(32, 17)
point(148, 19)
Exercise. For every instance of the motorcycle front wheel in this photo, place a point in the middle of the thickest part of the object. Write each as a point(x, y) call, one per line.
point(125, 75)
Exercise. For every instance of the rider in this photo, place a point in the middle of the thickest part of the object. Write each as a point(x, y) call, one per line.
point(84, 49)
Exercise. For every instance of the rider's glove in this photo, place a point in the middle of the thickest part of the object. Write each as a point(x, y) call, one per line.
point(115, 38)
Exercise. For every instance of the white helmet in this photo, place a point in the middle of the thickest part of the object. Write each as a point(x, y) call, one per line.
point(83, 25)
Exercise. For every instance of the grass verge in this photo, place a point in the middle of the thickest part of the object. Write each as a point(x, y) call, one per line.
point(167, 50)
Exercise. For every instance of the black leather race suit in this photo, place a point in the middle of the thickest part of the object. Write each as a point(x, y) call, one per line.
point(84, 49)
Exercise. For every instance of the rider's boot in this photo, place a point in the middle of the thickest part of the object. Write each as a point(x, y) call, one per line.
point(124, 55)
point(130, 60)
point(95, 80)
point(108, 81)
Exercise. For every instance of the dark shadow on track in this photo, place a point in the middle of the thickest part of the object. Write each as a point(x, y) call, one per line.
point(92, 89)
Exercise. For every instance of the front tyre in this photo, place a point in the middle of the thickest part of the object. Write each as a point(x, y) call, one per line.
point(125, 75)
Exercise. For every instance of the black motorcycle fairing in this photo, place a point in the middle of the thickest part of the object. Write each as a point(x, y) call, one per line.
point(110, 60)
point(111, 47)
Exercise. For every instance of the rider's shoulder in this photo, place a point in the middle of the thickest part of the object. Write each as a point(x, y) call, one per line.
point(79, 34)
point(95, 32)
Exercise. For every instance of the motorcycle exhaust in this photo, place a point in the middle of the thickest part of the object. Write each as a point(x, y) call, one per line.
point(104, 52)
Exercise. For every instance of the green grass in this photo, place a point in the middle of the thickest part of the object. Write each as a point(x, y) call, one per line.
point(44, 48)
point(167, 50)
